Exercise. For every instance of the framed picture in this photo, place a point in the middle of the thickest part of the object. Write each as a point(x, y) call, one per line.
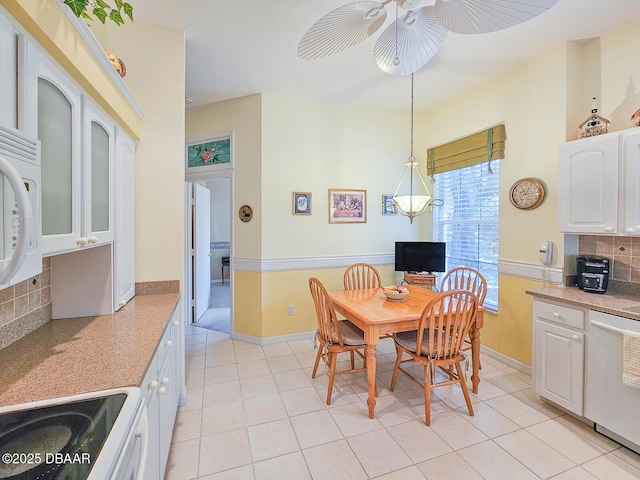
point(389, 207)
point(301, 203)
point(208, 155)
point(347, 206)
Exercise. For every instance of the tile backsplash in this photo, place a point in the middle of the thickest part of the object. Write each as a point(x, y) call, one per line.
point(25, 306)
point(624, 253)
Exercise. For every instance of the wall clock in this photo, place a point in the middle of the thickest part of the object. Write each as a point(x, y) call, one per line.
point(527, 193)
point(245, 213)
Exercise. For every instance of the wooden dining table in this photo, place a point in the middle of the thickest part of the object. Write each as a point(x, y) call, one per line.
point(376, 316)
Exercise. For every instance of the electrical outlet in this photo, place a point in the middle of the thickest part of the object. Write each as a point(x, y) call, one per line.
point(291, 309)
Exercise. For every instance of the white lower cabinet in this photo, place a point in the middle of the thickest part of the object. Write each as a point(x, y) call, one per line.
point(161, 387)
point(558, 354)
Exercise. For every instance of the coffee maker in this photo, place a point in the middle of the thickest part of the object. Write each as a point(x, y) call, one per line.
point(593, 273)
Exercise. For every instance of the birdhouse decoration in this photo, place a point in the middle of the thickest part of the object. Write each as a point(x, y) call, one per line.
point(635, 118)
point(117, 63)
point(594, 124)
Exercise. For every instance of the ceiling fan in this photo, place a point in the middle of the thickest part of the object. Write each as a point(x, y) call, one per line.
point(406, 45)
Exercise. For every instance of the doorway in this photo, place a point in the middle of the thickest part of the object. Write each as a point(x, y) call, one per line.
point(209, 256)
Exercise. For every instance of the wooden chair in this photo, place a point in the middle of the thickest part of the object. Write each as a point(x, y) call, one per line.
point(361, 275)
point(444, 325)
point(464, 278)
point(334, 336)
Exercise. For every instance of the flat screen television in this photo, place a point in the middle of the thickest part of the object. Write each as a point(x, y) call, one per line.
point(420, 256)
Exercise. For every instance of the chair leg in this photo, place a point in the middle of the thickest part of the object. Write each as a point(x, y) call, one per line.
point(352, 355)
point(465, 390)
point(396, 367)
point(332, 374)
point(427, 394)
point(318, 356)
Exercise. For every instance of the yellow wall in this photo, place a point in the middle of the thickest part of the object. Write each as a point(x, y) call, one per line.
point(620, 75)
point(281, 289)
point(243, 118)
point(160, 154)
point(311, 146)
point(509, 331)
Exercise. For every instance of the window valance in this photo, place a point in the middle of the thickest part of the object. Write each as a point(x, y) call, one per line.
point(467, 151)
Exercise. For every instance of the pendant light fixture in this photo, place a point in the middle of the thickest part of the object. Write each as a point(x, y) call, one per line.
point(418, 200)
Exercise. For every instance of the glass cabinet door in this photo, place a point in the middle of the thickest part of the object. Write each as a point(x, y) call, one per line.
point(56, 137)
point(100, 154)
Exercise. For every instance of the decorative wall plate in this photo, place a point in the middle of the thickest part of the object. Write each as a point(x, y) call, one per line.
point(245, 213)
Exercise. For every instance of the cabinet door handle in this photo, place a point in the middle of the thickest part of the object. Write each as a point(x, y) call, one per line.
point(629, 230)
point(82, 241)
point(165, 381)
point(608, 229)
point(161, 390)
point(168, 343)
point(93, 239)
point(153, 385)
point(556, 315)
point(575, 337)
point(175, 323)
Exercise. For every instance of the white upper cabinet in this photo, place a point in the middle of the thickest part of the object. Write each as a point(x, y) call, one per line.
point(588, 193)
point(599, 184)
point(99, 149)
point(8, 73)
point(78, 150)
point(53, 113)
point(631, 175)
point(124, 245)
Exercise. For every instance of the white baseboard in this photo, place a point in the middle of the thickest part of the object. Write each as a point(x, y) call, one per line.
point(502, 358)
point(273, 340)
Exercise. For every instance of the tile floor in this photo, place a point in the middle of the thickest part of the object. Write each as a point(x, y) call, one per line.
point(255, 413)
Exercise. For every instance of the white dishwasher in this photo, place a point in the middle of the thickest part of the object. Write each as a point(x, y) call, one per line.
point(611, 405)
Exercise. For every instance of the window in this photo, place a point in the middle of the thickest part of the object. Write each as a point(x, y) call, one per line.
point(468, 221)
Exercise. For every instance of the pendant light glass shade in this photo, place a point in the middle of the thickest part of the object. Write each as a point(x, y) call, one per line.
point(418, 198)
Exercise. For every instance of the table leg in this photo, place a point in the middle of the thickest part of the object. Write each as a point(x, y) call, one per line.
point(370, 353)
point(475, 357)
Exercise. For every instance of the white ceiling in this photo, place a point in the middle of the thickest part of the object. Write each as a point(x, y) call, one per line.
point(241, 47)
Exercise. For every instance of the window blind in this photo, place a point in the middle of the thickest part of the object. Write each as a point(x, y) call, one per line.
point(468, 221)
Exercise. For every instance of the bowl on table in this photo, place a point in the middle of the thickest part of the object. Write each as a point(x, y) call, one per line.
point(395, 294)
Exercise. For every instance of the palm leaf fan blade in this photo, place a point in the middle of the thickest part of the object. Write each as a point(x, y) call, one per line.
point(485, 16)
point(341, 29)
point(414, 39)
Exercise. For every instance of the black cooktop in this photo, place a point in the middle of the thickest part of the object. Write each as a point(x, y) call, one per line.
point(56, 442)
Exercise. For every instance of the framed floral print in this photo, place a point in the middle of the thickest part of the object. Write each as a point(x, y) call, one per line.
point(389, 207)
point(347, 206)
point(209, 155)
point(301, 203)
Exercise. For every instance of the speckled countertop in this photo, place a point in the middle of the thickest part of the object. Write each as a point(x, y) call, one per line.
point(612, 303)
point(79, 355)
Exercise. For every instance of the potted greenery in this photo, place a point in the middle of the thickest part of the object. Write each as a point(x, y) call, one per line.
point(101, 10)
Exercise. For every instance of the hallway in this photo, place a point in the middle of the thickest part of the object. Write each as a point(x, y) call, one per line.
point(218, 315)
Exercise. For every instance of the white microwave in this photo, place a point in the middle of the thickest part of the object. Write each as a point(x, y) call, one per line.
point(20, 207)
